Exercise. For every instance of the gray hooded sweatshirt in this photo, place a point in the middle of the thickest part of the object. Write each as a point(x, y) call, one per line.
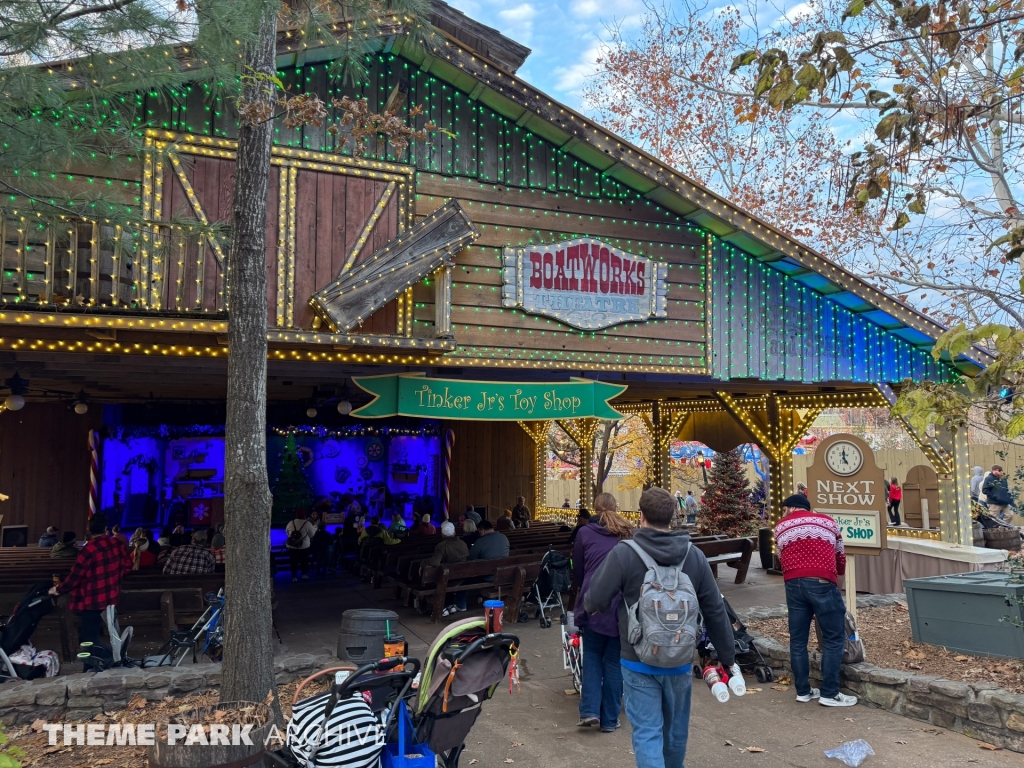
point(622, 572)
point(977, 478)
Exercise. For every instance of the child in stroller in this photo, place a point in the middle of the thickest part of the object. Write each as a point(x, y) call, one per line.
point(361, 712)
point(17, 630)
point(748, 657)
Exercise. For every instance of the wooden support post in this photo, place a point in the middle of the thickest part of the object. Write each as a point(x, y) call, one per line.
point(538, 432)
point(582, 432)
point(777, 432)
point(663, 426)
point(851, 586)
point(443, 303)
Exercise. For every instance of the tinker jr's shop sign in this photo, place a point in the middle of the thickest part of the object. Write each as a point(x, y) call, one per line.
point(860, 529)
point(584, 283)
point(415, 395)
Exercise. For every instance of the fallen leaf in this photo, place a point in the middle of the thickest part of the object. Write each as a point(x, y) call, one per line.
point(137, 702)
point(51, 750)
point(509, 760)
point(537, 655)
point(991, 747)
point(37, 725)
point(780, 687)
point(755, 749)
point(570, 691)
point(785, 680)
point(848, 719)
point(961, 658)
point(517, 743)
point(916, 655)
point(900, 741)
point(803, 745)
point(729, 744)
point(537, 706)
point(474, 761)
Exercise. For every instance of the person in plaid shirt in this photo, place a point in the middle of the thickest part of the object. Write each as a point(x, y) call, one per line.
point(95, 579)
point(192, 558)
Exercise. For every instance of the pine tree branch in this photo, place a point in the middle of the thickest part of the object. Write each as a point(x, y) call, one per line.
point(89, 11)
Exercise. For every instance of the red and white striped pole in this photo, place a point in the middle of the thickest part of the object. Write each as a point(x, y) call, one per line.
point(94, 471)
point(449, 443)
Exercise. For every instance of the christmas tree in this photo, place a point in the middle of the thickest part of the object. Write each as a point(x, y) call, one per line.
point(291, 489)
point(727, 508)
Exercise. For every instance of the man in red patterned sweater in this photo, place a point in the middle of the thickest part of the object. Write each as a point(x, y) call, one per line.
point(810, 547)
point(95, 579)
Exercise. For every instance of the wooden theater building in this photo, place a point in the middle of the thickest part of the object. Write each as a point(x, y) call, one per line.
point(524, 247)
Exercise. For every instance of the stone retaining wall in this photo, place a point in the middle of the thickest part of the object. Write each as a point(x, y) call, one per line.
point(979, 710)
point(80, 697)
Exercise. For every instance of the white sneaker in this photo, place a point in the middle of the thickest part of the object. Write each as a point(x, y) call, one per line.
point(814, 694)
point(448, 611)
point(840, 700)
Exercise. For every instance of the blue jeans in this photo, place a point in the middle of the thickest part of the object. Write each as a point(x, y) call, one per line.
point(812, 598)
point(658, 708)
point(602, 678)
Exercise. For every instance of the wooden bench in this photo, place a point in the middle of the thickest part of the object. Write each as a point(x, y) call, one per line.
point(735, 553)
point(511, 580)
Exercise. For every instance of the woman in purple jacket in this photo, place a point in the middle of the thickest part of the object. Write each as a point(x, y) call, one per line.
point(601, 698)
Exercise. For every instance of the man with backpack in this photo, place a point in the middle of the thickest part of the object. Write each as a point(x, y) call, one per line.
point(300, 533)
point(665, 582)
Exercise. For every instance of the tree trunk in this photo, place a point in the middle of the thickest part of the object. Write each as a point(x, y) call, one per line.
point(248, 673)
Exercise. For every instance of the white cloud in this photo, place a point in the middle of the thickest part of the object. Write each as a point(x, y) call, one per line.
point(571, 78)
point(517, 22)
point(586, 7)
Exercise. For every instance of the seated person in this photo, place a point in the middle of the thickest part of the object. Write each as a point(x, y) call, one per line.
point(505, 522)
point(191, 558)
point(49, 539)
point(425, 528)
point(469, 533)
point(491, 544)
point(376, 530)
point(472, 514)
point(398, 527)
point(66, 547)
point(449, 550)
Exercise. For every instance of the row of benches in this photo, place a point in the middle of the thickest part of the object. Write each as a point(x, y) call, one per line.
point(512, 576)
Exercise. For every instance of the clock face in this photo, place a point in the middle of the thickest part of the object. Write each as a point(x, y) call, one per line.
point(844, 458)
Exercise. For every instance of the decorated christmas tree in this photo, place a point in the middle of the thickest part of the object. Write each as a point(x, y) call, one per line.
point(727, 508)
point(291, 489)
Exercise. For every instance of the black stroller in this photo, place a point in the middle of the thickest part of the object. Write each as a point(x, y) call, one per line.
point(18, 629)
point(554, 579)
point(747, 655)
point(357, 721)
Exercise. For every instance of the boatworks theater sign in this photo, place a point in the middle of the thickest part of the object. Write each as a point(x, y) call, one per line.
point(584, 283)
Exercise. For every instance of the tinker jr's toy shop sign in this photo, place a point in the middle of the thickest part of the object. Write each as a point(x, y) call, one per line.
point(405, 394)
point(584, 283)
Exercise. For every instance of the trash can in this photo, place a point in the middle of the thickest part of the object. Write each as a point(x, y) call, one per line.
point(361, 637)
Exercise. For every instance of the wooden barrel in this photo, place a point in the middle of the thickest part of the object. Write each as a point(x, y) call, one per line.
point(977, 535)
point(361, 637)
point(180, 755)
point(1002, 538)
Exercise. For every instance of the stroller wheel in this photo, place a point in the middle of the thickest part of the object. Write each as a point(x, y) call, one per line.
point(761, 674)
point(545, 622)
point(768, 675)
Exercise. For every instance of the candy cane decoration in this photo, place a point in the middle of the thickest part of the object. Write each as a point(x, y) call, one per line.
point(449, 443)
point(94, 468)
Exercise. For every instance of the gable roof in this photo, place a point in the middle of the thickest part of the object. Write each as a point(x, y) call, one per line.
point(475, 72)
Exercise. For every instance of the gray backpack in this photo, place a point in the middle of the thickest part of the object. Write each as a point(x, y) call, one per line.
point(663, 622)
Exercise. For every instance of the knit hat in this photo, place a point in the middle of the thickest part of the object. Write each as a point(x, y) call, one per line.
point(447, 529)
point(797, 501)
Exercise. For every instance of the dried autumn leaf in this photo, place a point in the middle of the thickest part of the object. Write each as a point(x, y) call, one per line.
point(990, 747)
point(755, 749)
point(780, 688)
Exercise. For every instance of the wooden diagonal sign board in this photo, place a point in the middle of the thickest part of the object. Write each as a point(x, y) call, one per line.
point(358, 293)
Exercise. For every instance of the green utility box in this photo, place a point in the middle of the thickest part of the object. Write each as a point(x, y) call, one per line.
point(965, 612)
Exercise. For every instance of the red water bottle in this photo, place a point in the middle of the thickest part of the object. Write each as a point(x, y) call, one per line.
point(716, 678)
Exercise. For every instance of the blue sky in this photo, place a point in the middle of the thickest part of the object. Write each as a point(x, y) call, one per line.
point(565, 36)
